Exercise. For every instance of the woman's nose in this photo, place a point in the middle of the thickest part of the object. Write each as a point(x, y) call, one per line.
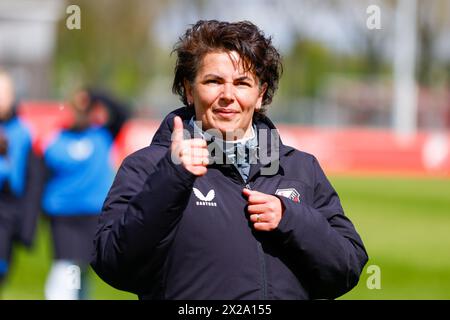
point(227, 93)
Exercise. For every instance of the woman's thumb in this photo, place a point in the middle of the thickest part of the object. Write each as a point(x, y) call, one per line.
point(177, 134)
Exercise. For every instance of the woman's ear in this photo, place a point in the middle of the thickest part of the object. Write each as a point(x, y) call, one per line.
point(188, 92)
point(262, 91)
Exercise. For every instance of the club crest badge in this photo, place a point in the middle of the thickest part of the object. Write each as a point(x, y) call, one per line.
point(289, 193)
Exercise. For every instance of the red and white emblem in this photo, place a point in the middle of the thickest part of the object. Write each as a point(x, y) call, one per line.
point(289, 193)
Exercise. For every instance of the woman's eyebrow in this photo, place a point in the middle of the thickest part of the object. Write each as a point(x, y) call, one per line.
point(216, 76)
point(244, 78)
point(212, 75)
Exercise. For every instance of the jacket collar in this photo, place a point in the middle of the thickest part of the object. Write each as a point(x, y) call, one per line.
point(163, 135)
point(269, 157)
point(266, 131)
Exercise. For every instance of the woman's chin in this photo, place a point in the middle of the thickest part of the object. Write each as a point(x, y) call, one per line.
point(232, 133)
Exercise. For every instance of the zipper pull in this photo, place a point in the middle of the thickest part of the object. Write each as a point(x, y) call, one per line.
point(248, 186)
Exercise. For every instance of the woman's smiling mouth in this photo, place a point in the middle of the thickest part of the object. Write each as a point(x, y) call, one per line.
point(225, 113)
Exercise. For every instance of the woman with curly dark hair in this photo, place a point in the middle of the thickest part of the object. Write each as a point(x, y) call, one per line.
point(217, 207)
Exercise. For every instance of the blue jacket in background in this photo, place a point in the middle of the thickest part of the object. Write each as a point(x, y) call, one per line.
point(81, 172)
point(21, 179)
point(79, 163)
point(13, 166)
point(166, 234)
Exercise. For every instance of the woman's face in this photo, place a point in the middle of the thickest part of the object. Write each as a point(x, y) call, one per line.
point(225, 97)
point(6, 95)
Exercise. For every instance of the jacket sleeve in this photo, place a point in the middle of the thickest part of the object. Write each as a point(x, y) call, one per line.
point(323, 241)
point(35, 180)
point(4, 170)
point(138, 220)
point(13, 166)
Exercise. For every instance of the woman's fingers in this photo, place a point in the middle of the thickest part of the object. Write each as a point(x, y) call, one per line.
point(200, 161)
point(264, 222)
point(197, 170)
point(194, 152)
point(255, 197)
point(265, 210)
point(188, 150)
point(263, 226)
point(257, 208)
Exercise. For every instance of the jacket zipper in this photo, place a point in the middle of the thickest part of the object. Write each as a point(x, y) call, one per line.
point(260, 251)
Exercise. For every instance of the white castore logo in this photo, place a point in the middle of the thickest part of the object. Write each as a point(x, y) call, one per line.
point(205, 200)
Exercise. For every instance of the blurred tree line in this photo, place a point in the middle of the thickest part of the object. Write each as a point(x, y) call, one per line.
point(116, 49)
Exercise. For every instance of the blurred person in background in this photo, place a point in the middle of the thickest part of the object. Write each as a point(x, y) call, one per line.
point(176, 225)
point(19, 178)
point(80, 172)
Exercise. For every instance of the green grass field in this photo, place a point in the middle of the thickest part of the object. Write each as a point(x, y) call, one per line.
point(404, 222)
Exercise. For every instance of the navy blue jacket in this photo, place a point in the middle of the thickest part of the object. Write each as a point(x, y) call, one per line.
point(159, 239)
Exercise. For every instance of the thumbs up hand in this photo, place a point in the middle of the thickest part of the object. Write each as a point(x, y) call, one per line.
point(192, 154)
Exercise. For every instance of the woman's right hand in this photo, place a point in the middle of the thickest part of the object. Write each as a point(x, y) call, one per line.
point(192, 154)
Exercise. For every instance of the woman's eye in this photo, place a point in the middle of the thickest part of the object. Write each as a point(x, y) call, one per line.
point(243, 83)
point(213, 81)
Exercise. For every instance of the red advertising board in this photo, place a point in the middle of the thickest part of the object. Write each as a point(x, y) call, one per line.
point(339, 150)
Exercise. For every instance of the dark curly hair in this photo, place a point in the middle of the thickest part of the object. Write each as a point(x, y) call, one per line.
point(257, 51)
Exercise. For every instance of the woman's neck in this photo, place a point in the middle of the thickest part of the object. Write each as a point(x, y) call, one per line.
point(81, 122)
